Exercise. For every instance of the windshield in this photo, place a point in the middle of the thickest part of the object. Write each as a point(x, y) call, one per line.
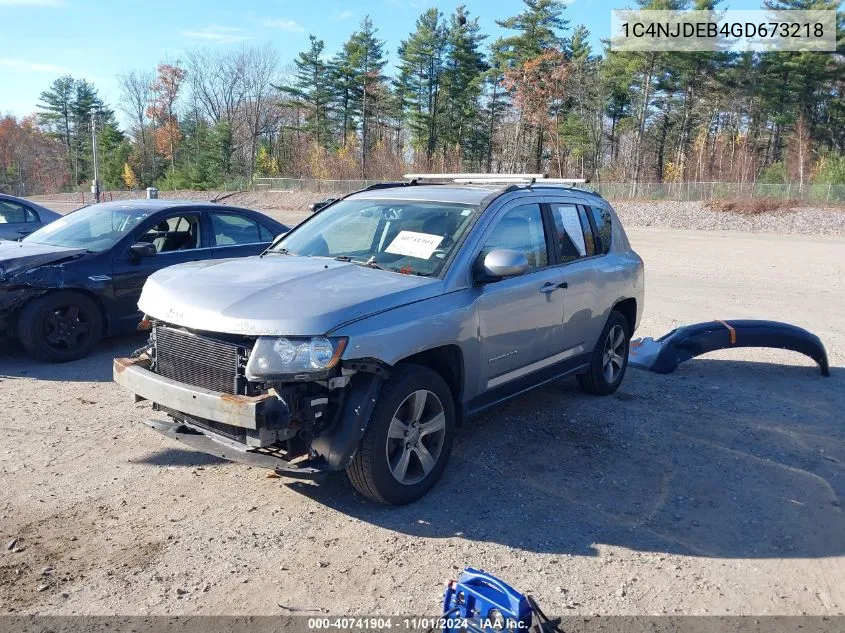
point(95, 228)
point(408, 237)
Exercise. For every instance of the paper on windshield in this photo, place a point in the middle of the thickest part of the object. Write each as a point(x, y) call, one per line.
point(413, 244)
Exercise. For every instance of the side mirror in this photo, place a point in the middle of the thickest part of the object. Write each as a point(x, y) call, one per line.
point(502, 263)
point(322, 203)
point(143, 249)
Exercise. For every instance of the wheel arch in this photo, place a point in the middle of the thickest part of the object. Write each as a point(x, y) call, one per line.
point(627, 308)
point(83, 291)
point(448, 362)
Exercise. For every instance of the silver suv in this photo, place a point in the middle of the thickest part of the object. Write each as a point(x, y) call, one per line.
point(362, 338)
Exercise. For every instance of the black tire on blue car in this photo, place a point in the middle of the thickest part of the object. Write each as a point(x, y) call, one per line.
point(60, 326)
point(408, 439)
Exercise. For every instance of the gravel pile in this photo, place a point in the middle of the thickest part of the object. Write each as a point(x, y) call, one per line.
point(695, 215)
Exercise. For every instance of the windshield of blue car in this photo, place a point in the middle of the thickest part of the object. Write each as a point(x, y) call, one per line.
point(96, 228)
point(410, 237)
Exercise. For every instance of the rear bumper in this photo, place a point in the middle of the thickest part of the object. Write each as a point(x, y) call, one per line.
point(247, 412)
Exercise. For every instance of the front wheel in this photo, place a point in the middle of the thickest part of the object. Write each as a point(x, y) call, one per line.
point(610, 358)
point(408, 440)
point(60, 326)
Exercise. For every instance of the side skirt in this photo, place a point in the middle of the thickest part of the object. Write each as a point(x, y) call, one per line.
point(492, 397)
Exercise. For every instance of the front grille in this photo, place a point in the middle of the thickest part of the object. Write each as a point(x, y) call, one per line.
point(199, 361)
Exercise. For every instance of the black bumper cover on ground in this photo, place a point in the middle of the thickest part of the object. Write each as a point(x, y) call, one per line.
point(665, 354)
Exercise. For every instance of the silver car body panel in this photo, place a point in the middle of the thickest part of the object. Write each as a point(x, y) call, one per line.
point(504, 330)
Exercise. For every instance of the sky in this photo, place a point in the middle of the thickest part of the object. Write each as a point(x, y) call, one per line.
point(41, 40)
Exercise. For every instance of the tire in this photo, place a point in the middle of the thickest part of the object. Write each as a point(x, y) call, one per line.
point(60, 326)
point(596, 381)
point(379, 456)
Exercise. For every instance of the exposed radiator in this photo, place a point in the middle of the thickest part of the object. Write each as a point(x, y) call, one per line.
point(199, 360)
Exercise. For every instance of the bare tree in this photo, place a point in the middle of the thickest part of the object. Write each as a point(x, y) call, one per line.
point(260, 67)
point(135, 94)
point(217, 81)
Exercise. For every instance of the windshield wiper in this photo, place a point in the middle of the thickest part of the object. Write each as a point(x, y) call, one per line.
point(279, 251)
point(370, 263)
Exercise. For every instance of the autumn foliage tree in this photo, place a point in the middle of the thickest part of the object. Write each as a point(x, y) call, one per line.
point(162, 109)
point(31, 161)
point(538, 89)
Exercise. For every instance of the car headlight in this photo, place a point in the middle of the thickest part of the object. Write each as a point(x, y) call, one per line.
point(286, 356)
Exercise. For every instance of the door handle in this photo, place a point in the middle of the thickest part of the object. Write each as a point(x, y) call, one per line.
point(548, 287)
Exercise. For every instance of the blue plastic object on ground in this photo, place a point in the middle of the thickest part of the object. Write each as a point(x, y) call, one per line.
point(484, 603)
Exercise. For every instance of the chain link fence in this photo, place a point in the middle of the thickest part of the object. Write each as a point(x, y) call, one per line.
point(682, 191)
point(692, 191)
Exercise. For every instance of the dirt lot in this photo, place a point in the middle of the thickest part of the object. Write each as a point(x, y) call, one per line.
point(716, 489)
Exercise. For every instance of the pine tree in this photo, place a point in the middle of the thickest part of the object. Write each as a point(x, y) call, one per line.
point(420, 74)
point(538, 28)
point(463, 84)
point(55, 106)
point(312, 88)
point(364, 56)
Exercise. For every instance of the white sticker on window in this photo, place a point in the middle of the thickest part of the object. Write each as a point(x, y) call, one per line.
point(412, 244)
point(572, 225)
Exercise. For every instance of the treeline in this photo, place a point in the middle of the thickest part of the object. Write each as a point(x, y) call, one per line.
point(539, 98)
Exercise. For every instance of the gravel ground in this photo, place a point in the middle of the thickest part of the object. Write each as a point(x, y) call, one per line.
point(696, 215)
point(713, 490)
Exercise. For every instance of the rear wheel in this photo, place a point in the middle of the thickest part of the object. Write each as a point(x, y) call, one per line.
point(60, 326)
point(408, 440)
point(610, 358)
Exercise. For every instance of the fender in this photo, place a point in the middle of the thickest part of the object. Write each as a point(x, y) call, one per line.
point(663, 355)
point(337, 446)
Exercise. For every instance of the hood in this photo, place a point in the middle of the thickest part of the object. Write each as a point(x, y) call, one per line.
point(16, 257)
point(277, 294)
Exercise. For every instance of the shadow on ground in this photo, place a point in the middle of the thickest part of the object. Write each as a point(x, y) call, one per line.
point(178, 457)
point(15, 362)
point(720, 459)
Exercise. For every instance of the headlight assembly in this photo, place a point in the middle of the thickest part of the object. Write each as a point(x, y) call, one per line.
point(295, 357)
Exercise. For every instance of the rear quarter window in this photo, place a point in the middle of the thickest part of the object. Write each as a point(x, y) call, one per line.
point(604, 228)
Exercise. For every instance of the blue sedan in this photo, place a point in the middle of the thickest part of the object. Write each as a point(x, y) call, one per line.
point(70, 283)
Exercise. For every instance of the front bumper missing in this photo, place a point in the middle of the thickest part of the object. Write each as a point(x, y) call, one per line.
point(233, 451)
point(248, 412)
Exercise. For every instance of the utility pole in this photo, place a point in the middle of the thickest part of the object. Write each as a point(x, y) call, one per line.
point(95, 184)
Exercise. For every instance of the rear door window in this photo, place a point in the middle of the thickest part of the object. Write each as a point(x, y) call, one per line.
point(230, 229)
point(573, 234)
point(604, 228)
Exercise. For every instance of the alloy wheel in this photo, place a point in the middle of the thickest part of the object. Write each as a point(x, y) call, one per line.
point(415, 437)
point(614, 353)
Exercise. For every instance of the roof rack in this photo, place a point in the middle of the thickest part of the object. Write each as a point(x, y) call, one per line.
point(467, 179)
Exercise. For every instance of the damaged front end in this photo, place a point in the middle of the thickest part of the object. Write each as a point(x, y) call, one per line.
point(301, 424)
point(23, 278)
